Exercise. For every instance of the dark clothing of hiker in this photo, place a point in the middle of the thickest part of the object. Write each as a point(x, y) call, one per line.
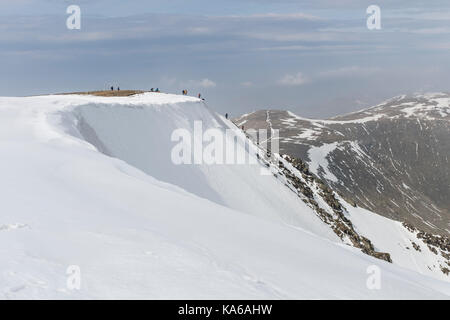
point(199, 96)
point(112, 88)
point(226, 115)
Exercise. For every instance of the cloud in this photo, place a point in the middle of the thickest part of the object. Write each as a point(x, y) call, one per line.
point(140, 44)
point(199, 30)
point(278, 16)
point(293, 80)
point(440, 30)
point(299, 78)
point(351, 71)
point(168, 81)
point(203, 83)
point(173, 82)
point(287, 36)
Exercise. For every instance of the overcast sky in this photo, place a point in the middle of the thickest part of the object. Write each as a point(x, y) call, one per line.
point(316, 58)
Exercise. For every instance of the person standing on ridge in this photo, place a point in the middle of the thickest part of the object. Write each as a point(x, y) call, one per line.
point(226, 115)
point(199, 95)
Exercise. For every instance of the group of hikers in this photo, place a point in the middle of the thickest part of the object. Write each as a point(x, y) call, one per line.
point(185, 92)
point(151, 90)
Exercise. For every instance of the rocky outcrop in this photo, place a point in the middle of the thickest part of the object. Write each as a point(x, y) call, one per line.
point(392, 159)
point(437, 244)
point(436, 241)
point(331, 208)
point(337, 220)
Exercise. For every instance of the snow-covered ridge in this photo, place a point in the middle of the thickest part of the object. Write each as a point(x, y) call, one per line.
point(88, 181)
point(370, 155)
point(430, 106)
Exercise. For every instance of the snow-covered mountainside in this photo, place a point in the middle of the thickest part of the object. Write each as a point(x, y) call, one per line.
point(89, 182)
point(393, 159)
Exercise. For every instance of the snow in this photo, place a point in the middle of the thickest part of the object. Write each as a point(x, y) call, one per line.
point(318, 159)
point(443, 106)
point(308, 134)
point(223, 184)
point(435, 108)
point(320, 123)
point(387, 235)
point(86, 182)
point(391, 236)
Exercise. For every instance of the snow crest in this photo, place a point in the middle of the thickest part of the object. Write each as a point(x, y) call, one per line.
point(85, 182)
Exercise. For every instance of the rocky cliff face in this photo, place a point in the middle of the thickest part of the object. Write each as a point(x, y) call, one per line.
point(379, 237)
point(392, 159)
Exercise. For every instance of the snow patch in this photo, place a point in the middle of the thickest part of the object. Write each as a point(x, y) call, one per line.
point(318, 160)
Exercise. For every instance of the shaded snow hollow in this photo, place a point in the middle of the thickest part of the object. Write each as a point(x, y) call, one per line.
point(88, 181)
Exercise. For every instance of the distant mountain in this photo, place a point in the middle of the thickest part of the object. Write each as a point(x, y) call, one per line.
point(393, 158)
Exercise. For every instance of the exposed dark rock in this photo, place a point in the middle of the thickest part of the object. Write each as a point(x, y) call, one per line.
point(416, 246)
point(433, 249)
point(340, 224)
point(391, 159)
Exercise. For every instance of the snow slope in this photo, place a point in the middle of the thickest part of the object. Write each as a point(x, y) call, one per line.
point(232, 234)
point(240, 187)
point(405, 246)
point(391, 236)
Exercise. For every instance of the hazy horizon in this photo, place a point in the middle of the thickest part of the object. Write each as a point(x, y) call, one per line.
point(315, 58)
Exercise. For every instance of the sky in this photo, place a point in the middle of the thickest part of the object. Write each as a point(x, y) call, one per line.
point(316, 58)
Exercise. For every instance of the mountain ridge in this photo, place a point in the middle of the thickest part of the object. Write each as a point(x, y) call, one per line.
point(378, 150)
point(88, 181)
